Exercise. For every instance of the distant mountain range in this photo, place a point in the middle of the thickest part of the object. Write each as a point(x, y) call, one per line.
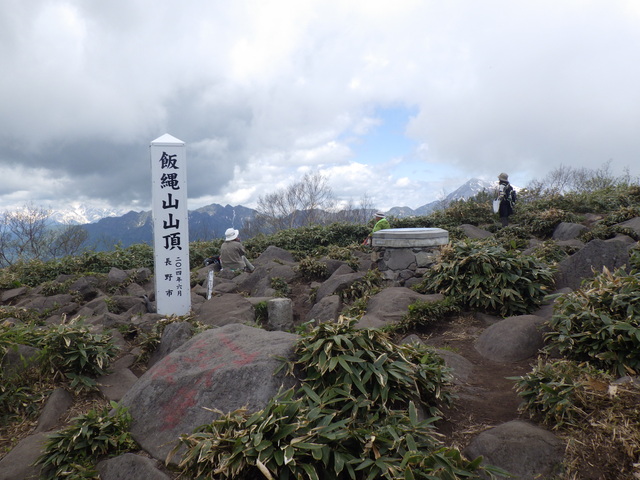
point(468, 190)
point(107, 228)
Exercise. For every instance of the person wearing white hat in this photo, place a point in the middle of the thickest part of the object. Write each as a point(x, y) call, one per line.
point(232, 253)
point(380, 223)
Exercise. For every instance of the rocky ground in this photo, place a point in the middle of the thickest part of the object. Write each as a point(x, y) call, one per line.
point(483, 352)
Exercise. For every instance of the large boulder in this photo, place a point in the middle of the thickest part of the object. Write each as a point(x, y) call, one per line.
point(326, 310)
point(341, 279)
point(474, 232)
point(512, 339)
point(524, 450)
point(568, 231)
point(129, 466)
point(391, 305)
point(174, 335)
point(225, 309)
point(223, 369)
point(58, 403)
point(633, 224)
point(19, 463)
point(277, 254)
point(589, 261)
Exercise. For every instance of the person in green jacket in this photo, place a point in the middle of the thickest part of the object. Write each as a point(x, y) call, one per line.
point(381, 223)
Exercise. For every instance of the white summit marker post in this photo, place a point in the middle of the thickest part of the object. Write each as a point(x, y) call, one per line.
point(170, 225)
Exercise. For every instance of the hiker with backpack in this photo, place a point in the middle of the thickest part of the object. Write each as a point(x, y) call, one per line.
point(506, 196)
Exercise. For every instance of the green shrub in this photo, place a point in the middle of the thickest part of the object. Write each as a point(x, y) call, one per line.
point(512, 237)
point(339, 424)
point(290, 439)
point(369, 369)
point(551, 253)
point(421, 314)
point(558, 393)
point(280, 286)
point(488, 278)
point(600, 322)
point(313, 269)
point(36, 272)
point(306, 241)
point(542, 223)
point(364, 287)
point(67, 349)
point(73, 451)
point(76, 352)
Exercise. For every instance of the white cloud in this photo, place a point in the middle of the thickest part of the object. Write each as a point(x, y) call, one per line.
point(262, 92)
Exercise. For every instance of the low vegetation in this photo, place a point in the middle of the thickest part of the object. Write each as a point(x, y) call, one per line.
point(367, 406)
point(487, 278)
point(71, 452)
point(353, 417)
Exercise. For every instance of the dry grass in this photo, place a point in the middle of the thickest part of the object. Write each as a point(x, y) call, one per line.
point(12, 432)
point(606, 444)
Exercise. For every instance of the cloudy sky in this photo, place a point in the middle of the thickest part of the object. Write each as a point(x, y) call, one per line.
point(397, 101)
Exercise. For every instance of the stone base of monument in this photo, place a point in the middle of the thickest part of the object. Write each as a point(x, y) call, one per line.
point(403, 253)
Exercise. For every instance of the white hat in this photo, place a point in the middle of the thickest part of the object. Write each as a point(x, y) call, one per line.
point(231, 234)
point(380, 214)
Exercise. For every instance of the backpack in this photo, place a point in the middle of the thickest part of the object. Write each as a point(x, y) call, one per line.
point(507, 192)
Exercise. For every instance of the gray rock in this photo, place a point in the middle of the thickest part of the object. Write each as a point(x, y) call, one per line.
point(18, 464)
point(512, 339)
point(595, 255)
point(98, 305)
point(115, 385)
point(9, 295)
point(86, 288)
point(326, 310)
point(333, 265)
point(627, 240)
point(223, 368)
point(126, 361)
point(474, 232)
point(56, 406)
point(568, 231)
point(280, 314)
point(522, 449)
point(136, 290)
point(19, 358)
point(399, 259)
point(259, 282)
point(130, 466)
point(337, 282)
point(390, 305)
point(51, 304)
point(461, 368)
point(174, 335)
point(273, 253)
point(633, 224)
point(109, 320)
point(225, 309)
point(116, 277)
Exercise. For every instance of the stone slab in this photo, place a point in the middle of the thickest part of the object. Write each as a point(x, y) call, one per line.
point(410, 237)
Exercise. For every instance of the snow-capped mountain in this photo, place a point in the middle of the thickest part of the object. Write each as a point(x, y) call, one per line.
point(78, 214)
point(467, 190)
point(107, 226)
point(471, 188)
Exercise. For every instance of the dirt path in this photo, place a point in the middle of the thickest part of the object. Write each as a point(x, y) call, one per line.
point(486, 398)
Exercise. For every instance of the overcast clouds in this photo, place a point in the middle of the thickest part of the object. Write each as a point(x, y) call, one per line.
point(401, 101)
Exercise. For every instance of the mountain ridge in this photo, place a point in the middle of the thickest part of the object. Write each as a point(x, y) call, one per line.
point(211, 221)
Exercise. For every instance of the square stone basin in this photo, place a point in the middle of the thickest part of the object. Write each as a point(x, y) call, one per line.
point(410, 237)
